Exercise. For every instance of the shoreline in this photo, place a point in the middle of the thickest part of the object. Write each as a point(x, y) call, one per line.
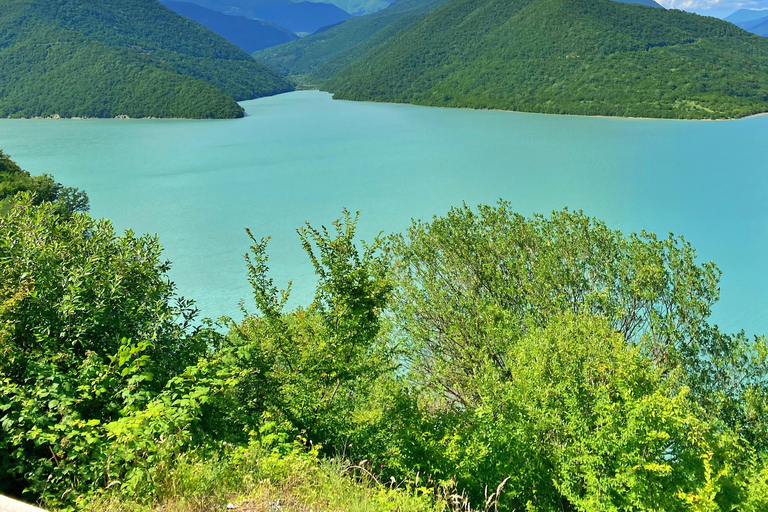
point(546, 113)
point(57, 117)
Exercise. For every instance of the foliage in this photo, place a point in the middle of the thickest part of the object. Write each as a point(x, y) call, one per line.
point(312, 367)
point(589, 57)
point(90, 334)
point(562, 363)
point(325, 53)
point(104, 58)
point(263, 477)
point(13, 179)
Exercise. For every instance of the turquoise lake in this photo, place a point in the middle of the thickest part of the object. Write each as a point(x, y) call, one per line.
point(303, 157)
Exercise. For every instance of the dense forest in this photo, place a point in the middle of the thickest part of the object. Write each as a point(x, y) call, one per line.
point(249, 35)
point(592, 57)
point(312, 59)
point(480, 359)
point(103, 58)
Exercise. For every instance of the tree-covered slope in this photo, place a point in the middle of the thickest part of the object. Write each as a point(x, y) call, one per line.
point(324, 54)
point(649, 3)
point(249, 35)
point(103, 58)
point(593, 57)
point(301, 17)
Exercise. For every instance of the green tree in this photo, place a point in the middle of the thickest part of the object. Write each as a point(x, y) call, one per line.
point(91, 329)
point(312, 367)
point(13, 179)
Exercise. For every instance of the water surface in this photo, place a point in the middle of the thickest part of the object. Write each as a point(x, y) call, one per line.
point(302, 157)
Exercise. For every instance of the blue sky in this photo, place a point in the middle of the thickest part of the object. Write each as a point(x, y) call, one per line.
point(719, 8)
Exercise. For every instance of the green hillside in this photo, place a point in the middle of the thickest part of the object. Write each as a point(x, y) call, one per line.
point(592, 57)
point(324, 54)
point(103, 58)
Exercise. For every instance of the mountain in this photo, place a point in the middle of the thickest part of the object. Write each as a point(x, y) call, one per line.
point(758, 26)
point(300, 17)
point(250, 35)
point(358, 7)
point(327, 52)
point(751, 21)
point(649, 3)
point(104, 58)
point(743, 15)
point(592, 57)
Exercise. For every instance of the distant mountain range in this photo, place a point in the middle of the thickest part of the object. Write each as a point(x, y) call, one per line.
point(299, 17)
point(743, 15)
point(751, 21)
point(104, 58)
point(592, 57)
point(327, 52)
point(250, 35)
point(759, 26)
point(358, 7)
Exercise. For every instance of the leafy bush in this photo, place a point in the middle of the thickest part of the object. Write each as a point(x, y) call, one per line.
point(562, 363)
point(91, 331)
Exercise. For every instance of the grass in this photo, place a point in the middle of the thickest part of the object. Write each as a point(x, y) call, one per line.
point(252, 480)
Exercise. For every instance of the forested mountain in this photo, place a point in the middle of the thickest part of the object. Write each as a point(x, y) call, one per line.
point(743, 15)
point(300, 17)
point(592, 57)
point(104, 58)
point(250, 35)
point(358, 7)
point(324, 54)
point(649, 3)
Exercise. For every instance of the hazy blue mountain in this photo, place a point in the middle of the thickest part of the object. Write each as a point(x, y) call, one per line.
point(325, 53)
point(649, 3)
point(358, 7)
point(300, 17)
point(743, 15)
point(758, 26)
point(250, 35)
point(104, 58)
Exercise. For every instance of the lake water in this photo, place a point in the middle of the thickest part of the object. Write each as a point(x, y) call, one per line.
point(302, 157)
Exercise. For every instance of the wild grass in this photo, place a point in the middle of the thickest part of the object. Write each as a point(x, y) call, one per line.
point(253, 480)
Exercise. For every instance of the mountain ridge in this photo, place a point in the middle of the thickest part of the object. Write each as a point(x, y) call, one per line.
point(249, 35)
point(322, 55)
point(108, 58)
point(566, 57)
point(300, 17)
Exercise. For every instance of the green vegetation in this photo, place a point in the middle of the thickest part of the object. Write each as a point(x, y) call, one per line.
point(591, 57)
point(13, 179)
point(313, 59)
point(482, 357)
point(104, 58)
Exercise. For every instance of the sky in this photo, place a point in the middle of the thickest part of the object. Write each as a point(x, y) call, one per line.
point(718, 8)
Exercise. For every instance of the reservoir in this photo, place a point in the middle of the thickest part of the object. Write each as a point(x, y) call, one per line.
point(302, 157)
